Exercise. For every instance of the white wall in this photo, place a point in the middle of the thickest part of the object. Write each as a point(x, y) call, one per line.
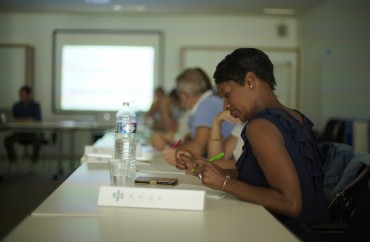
point(179, 31)
point(335, 44)
point(36, 30)
point(334, 41)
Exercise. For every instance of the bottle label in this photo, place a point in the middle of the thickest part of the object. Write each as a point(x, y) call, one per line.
point(125, 128)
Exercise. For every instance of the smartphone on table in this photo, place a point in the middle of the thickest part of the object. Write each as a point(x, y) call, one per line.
point(156, 180)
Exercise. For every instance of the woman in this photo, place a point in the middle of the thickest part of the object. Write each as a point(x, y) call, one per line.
point(165, 111)
point(280, 167)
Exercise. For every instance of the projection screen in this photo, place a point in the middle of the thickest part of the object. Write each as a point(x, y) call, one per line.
point(96, 70)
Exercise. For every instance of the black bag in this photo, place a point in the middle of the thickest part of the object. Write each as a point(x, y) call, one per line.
point(343, 205)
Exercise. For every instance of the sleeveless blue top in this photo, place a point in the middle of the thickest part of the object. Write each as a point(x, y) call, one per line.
point(302, 145)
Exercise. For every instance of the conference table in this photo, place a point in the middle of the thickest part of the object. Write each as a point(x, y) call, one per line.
point(72, 213)
point(59, 128)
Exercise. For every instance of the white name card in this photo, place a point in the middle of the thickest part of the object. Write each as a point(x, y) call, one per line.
point(89, 149)
point(151, 198)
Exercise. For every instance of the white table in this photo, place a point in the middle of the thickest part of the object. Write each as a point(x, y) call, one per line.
point(71, 213)
point(78, 195)
point(215, 224)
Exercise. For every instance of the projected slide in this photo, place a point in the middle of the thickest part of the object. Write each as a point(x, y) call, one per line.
point(97, 70)
point(102, 77)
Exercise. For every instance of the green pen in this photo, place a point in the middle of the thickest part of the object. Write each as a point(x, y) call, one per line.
point(216, 157)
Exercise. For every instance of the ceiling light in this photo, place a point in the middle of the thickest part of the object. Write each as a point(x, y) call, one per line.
point(279, 11)
point(97, 1)
point(117, 8)
point(130, 8)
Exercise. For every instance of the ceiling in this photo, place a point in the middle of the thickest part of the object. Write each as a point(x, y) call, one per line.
point(241, 7)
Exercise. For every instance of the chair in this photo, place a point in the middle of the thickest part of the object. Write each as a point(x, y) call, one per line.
point(348, 196)
point(334, 131)
point(356, 230)
point(359, 227)
point(49, 141)
point(46, 140)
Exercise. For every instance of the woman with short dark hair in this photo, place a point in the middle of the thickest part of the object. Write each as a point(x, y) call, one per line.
point(280, 167)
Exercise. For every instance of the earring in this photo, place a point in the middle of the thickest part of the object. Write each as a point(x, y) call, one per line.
point(250, 83)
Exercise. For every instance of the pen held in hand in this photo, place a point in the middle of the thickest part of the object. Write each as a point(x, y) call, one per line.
point(175, 145)
point(211, 160)
point(216, 157)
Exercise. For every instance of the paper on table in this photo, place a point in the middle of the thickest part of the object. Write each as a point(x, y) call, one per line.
point(209, 191)
point(96, 158)
point(144, 157)
point(89, 149)
point(102, 154)
point(103, 159)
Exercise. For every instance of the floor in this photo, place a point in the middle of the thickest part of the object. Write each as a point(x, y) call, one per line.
point(22, 191)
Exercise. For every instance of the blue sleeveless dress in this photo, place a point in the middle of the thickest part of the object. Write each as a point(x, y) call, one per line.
point(302, 145)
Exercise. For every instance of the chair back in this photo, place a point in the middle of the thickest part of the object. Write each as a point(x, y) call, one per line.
point(334, 131)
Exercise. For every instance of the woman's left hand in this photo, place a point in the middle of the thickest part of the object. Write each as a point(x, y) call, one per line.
point(212, 176)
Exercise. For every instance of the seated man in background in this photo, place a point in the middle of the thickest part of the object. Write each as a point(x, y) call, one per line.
point(195, 92)
point(25, 110)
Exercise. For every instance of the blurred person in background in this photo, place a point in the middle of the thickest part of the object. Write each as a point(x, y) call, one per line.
point(180, 130)
point(25, 110)
point(165, 111)
point(195, 91)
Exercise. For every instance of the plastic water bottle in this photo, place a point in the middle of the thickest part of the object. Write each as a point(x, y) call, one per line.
point(125, 143)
